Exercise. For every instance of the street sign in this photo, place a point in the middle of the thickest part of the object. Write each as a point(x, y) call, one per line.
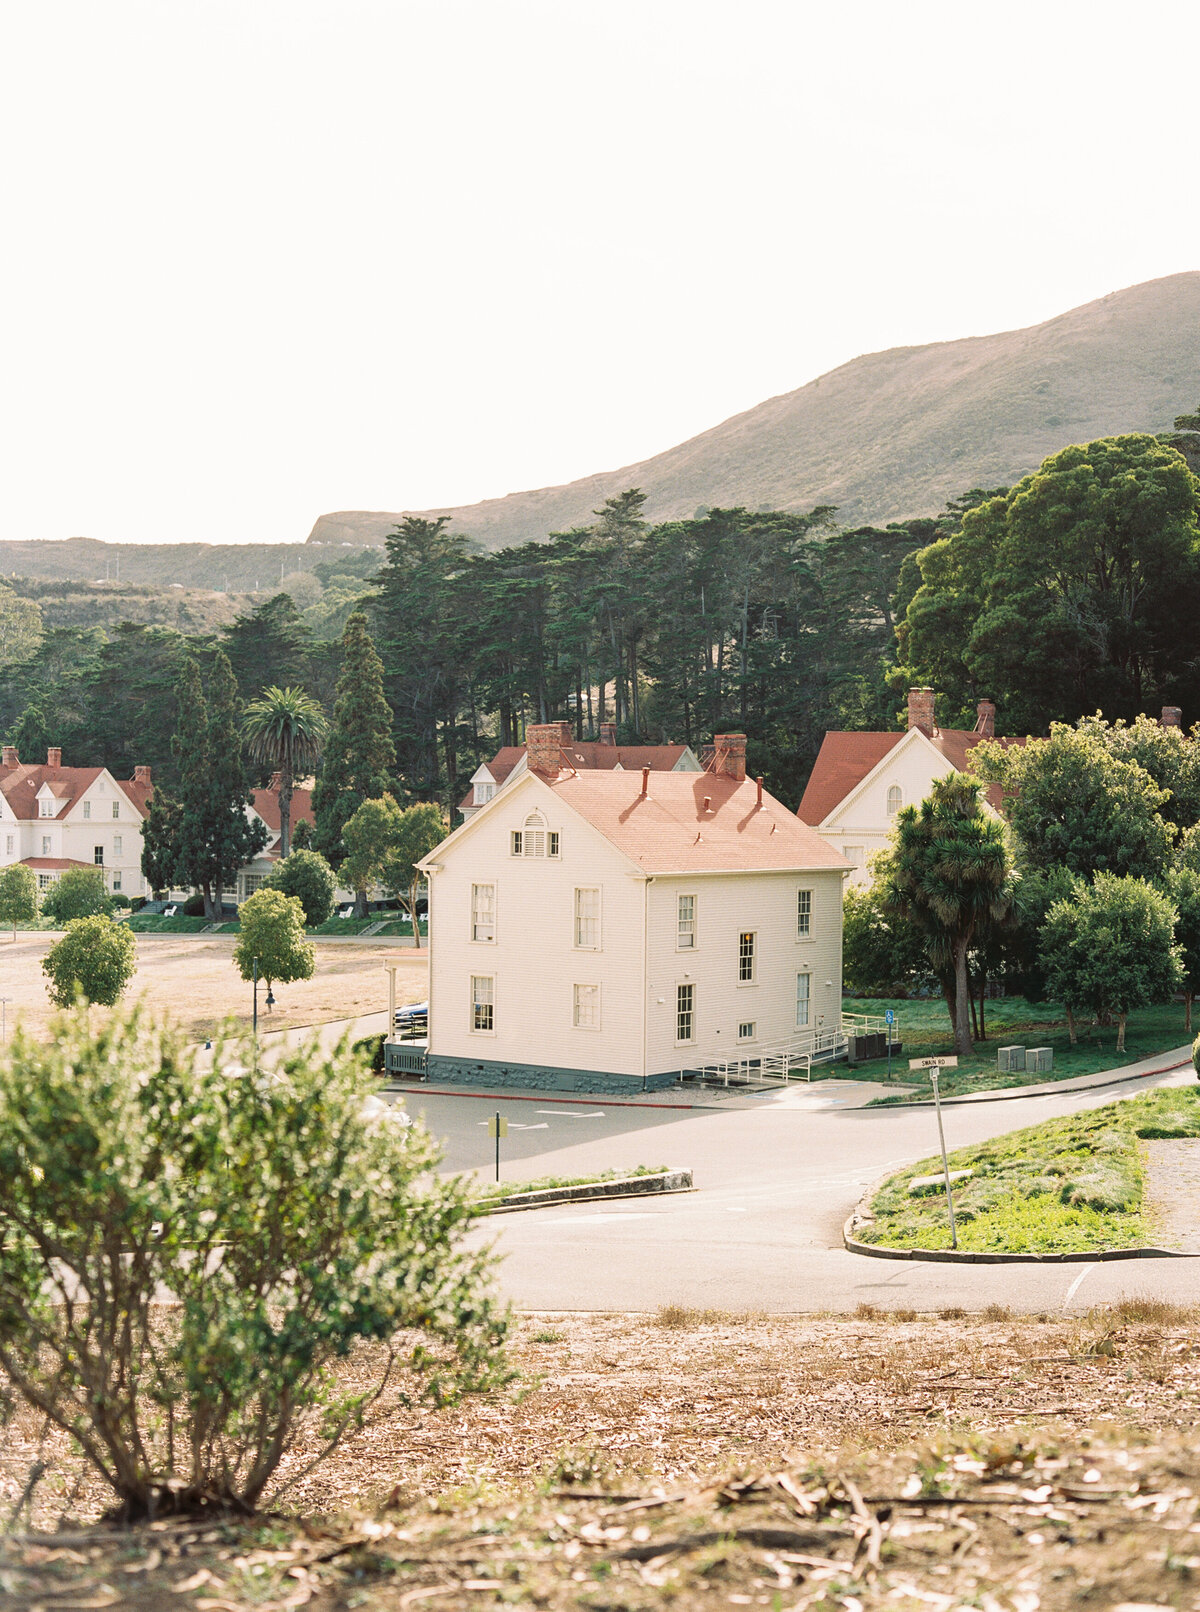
point(933, 1063)
point(889, 1017)
point(498, 1126)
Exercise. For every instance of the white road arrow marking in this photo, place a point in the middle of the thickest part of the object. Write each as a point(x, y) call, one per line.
point(570, 1113)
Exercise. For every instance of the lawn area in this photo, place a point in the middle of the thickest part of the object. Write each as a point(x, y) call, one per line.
point(496, 1191)
point(336, 928)
point(924, 1028)
point(1068, 1184)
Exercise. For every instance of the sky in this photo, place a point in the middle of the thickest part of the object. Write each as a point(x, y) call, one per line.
point(265, 260)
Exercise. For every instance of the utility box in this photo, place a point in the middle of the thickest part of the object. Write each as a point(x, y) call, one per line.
point(1010, 1060)
point(1040, 1059)
point(404, 1059)
point(867, 1044)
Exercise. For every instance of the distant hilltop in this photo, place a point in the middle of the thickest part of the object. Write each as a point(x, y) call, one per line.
point(891, 435)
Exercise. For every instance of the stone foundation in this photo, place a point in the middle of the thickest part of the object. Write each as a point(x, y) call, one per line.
point(445, 1071)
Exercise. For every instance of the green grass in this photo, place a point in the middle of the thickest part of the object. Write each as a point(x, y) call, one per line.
point(156, 924)
point(924, 1028)
point(1069, 1184)
point(496, 1190)
point(153, 923)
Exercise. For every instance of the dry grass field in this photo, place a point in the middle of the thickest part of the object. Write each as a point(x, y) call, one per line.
point(696, 1460)
point(193, 978)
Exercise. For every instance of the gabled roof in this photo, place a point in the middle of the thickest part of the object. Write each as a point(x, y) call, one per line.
point(138, 792)
point(689, 822)
point(21, 785)
point(266, 803)
point(590, 754)
point(845, 760)
point(53, 864)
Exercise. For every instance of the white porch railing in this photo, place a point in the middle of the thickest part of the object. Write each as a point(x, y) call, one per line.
point(787, 1060)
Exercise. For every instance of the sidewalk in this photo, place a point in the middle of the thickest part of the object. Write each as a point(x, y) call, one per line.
point(1161, 1063)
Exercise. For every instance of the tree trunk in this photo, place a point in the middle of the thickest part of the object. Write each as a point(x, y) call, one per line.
point(1120, 1032)
point(450, 750)
point(206, 893)
point(578, 705)
point(974, 1014)
point(1071, 1026)
point(285, 809)
point(1187, 1001)
point(947, 984)
point(982, 996)
point(962, 996)
point(360, 904)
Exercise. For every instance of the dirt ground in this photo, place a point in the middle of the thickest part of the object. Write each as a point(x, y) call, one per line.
point(697, 1460)
point(193, 978)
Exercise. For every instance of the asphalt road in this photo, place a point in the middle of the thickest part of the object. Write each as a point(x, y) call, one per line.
point(763, 1231)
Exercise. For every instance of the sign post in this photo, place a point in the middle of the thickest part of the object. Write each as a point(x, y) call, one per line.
point(934, 1065)
point(889, 1019)
point(498, 1127)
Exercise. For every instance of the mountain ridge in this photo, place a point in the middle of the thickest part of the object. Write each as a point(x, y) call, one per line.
point(893, 434)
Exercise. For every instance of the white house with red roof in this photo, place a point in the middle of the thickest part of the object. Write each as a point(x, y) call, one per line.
point(511, 762)
point(861, 780)
point(54, 817)
point(600, 930)
point(265, 807)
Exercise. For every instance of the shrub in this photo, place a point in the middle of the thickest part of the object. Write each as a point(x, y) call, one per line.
point(285, 1216)
point(18, 896)
point(1196, 1055)
point(77, 893)
point(193, 907)
point(94, 959)
point(307, 876)
point(371, 1048)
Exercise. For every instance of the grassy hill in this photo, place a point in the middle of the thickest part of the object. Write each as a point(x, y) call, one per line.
point(218, 567)
point(897, 433)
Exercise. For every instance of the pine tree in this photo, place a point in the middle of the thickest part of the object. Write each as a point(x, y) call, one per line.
point(270, 645)
point(359, 754)
point(233, 838)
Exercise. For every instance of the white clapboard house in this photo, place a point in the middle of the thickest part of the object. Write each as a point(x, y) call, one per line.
point(601, 930)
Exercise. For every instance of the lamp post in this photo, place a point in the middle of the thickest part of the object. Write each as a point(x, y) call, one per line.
point(4, 1001)
point(254, 966)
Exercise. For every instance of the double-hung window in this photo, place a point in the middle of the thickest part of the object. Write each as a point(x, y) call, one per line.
point(685, 924)
point(895, 799)
point(46, 808)
point(45, 845)
point(483, 912)
point(116, 808)
point(685, 1012)
point(98, 855)
point(118, 844)
point(746, 946)
point(803, 999)
point(483, 1003)
point(803, 914)
point(587, 919)
point(586, 1007)
point(87, 809)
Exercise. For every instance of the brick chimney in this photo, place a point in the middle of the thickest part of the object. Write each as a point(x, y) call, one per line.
point(1172, 717)
point(54, 758)
point(141, 775)
point(544, 746)
point(729, 755)
point(10, 757)
point(608, 733)
point(921, 710)
point(985, 721)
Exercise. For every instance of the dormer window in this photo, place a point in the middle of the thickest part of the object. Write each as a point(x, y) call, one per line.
point(534, 839)
point(484, 793)
point(46, 807)
point(895, 799)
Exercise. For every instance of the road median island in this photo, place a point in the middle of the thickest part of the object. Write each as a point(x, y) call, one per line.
point(612, 1185)
point(1072, 1188)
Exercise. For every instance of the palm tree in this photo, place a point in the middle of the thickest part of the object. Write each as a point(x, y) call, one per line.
point(285, 728)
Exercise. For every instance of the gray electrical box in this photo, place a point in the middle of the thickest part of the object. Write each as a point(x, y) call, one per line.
point(1040, 1059)
point(1009, 1060)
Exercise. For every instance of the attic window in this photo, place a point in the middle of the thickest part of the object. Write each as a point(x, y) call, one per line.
point(895, 799)
point(534, 839)
point(46, 808)
point(484, 793)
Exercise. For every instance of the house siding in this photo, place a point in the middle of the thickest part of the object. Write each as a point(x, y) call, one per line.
point(726, 906)
point(533, 959)
point(862, 821)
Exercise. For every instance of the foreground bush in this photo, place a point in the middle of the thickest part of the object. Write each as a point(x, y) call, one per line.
point(283, 1213)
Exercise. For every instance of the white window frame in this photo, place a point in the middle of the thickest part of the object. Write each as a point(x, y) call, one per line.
point(482, 1002)
point(585, 1006)
point(116, 808)
point(116, 880)
point(45, 880)
point(685, 937)
point(8, 845)
point(854, 855)
point(46, 807)
point(688, 986)
point(895, 799)
point(747, 1030)
point(484, 793)
point(87, 810)
point(804, 1001)
point(747, 969)
point(483, 913)
point(97, 856)
point(804, 914)
point(585, 940)
point(46, 845)
point(118, 845)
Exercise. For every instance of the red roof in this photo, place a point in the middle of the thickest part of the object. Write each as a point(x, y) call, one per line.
point(49, 864)
point(591, 754)
point(20, 785)
point(266, 804)
point(694, 822)
point(845, 759)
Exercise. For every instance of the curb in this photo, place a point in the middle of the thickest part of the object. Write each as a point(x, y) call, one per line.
point(1014, 1094)
point(418, 1087)
point(633, 1186)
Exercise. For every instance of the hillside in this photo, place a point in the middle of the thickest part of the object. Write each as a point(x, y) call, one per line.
point(219, 567)
point(192, 611)
point(893, 434)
